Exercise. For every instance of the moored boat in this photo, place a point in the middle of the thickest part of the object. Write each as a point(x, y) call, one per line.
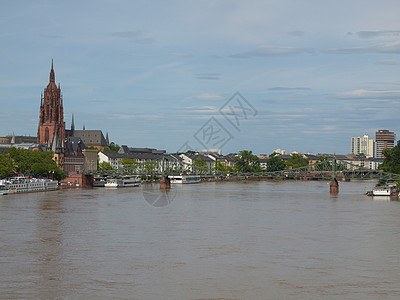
point(23, 185)
point(125, 181)
point(184, 178)
point(99, 182)
point(387, 190)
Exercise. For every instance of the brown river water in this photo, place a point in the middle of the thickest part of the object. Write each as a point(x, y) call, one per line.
point(258, 240)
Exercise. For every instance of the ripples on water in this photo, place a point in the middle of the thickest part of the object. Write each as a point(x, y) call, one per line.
point(260, 240)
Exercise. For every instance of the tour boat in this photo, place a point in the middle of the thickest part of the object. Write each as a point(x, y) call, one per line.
point(184, 178)
point(99, 182)
point(22, 185)
point(383, 191)
point(125, 181)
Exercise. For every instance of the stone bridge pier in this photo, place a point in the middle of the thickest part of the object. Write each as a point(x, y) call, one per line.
point(165, 183)
point(334, 186)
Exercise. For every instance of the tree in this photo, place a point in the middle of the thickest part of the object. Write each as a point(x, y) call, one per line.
point(112, 148)
point(297, 161)
point(6, 166)
point(275, 163)
point(127, 162)
point(104, 166)
point(40, 163)
point(219, 166)
point(391, 163)
point(246, 162)
point(328, 166)
point(200, 165)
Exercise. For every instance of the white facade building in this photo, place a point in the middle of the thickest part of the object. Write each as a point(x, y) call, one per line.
point(363, 144)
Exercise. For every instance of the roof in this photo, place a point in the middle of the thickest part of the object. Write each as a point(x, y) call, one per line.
point(73, 144)
point(91, 137)
point(139, 156)
point(126, 149)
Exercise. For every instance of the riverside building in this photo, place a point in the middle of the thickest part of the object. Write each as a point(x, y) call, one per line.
point(363, 144)
point(384, 140)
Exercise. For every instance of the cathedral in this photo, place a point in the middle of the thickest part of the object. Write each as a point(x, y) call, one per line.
point(68, 146)
point(51, 128)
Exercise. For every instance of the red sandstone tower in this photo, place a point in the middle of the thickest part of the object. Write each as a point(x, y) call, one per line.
point(51, 120)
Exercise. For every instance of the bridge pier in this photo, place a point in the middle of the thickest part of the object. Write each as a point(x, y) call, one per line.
point(165, 183)
point(334, 186)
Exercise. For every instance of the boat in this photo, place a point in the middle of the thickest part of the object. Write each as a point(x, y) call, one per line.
point(384, 191)
point(389, 189)
point(125, 181)
point(99, 182)
point(184, 178)
point(15, 185)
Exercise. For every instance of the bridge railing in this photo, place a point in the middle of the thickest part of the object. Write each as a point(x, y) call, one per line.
point(326, 169)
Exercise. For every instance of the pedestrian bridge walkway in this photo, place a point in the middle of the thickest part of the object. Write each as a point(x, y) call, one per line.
point(327, 169)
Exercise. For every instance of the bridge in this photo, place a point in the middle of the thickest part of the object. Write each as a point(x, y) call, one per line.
point(328, 169)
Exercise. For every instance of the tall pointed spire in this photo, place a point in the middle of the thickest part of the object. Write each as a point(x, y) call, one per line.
point(52, 75)
point(72, 123)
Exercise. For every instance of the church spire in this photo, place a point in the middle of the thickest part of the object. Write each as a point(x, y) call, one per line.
point(52, 75)
point(72, 124)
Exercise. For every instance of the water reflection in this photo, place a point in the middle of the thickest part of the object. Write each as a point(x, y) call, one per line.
point(48, 247)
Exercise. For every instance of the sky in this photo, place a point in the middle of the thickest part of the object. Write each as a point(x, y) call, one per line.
point(257, 75)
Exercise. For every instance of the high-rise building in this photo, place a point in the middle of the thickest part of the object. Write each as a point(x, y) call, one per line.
point(384, 140)
point(51, 127)
point(363, 144)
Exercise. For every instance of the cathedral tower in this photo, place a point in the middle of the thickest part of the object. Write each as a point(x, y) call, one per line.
point(51, 119)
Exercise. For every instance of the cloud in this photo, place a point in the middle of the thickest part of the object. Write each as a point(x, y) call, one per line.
point(282, 88)
point(126, 34)
point(375, 34)
point(367, 94)
point(52, 36)
point(179, 54)
point(387, 62)
point(296, 33)
point(136, 116)
point(393, 47)
point(207, 76)
point(135, 55)
point(206, 96)
point(204, 109)
point(145, 41)
point(265, 51)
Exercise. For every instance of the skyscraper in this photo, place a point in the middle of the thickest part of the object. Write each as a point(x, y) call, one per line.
point(384, 140)
point(363, 144)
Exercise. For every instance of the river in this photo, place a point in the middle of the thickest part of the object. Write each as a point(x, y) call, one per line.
point(257, 240)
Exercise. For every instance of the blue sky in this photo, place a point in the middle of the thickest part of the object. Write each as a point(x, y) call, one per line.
point(160, 73)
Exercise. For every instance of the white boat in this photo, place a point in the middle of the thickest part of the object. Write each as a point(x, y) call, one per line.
point(383, 191)
point(184, 178)
point(23, 185)
point(125, 181)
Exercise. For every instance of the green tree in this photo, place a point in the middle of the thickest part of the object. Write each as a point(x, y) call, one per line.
point(18, 160)
point(297, 161)
point(113, 147)
point(246, 162)
point(340, 166)
point(219, 166)
point(391, 163)
point(275, 163)
point(126, 162)
point(200, 165)
point(104, 166)
point(6, 166)
point(92, 148)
